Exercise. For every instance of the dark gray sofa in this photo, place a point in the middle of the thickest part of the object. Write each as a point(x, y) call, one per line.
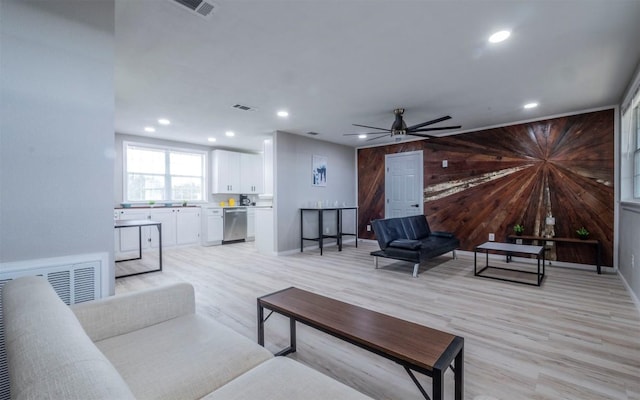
point(410, 239)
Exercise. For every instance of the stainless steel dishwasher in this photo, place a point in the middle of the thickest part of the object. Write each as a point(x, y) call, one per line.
point(235, 224)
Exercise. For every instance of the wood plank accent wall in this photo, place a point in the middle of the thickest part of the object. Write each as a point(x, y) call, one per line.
point(498, 177)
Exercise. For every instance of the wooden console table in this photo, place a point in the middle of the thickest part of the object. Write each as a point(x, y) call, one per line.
point(413, 346)
point(590, 242)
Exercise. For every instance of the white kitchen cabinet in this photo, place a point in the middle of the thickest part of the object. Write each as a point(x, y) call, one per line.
point(187, 225)
point(267, 168)
point(225, 171)
point(212, 226)
point(251, 177)
point(251, 223)
point(265, 236)
point(167, 217)
point(127, 238)
point(180, 225)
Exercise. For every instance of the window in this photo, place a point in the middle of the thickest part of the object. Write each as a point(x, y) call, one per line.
point(153, 173)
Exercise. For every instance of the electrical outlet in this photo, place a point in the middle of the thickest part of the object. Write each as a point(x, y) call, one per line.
point(368, 228)
point(326, 230)
point(492, 237)
point(445, 163)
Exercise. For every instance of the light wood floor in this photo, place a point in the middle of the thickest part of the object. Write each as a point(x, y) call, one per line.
point(576, 337)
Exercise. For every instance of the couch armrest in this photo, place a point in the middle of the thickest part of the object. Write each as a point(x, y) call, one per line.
point(406, 244)
point(442, 234)
point(115, 315)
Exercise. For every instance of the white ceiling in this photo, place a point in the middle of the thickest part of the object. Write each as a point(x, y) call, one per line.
point(333, 63)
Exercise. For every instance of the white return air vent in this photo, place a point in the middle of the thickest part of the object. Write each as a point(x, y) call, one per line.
point(75, 279)
point(198, 7)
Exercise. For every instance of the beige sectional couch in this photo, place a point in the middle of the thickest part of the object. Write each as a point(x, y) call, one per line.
point(146, 345)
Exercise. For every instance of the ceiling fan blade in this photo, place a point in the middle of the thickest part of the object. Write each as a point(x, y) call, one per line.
point(372, 127)
point(440, 128)
point(367, 133)
point(379, 137)
point(433, 121)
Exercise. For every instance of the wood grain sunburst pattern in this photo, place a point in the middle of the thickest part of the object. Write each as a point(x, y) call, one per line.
point(560, 167)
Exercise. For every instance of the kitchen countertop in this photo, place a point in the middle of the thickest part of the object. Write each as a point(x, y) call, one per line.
point(154, 206)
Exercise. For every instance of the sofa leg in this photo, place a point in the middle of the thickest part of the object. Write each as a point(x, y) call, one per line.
point(415, 269)
point(454, 254)
point(375, 261)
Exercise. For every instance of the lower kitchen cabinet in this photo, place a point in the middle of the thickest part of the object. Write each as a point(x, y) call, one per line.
point(251, 223)
point(180, 226)
point(187, 225)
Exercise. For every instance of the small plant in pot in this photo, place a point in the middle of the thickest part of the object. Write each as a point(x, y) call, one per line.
point(518, 229)
point(583, 233)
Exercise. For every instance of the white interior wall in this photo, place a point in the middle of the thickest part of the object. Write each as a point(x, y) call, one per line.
point(294, 189)
point(56, 128)
point(629, 211)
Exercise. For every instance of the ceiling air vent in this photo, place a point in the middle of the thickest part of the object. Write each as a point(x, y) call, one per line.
point(243, 107)
point(313, 133)
point(199, 7)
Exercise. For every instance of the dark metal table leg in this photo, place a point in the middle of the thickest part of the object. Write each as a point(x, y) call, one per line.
point(458, 375)
point(139, 242)
point(437, 384)
point(160, 245)
point(292, 334)
point(320, 229)
point(260, 324)
point(339, 228)
point(598, 255)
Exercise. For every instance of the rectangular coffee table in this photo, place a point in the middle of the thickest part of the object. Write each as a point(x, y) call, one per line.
point(509, 249)
point(415, 347)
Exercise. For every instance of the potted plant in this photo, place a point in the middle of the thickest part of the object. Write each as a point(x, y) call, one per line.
point(583, 233)
point(518, 229)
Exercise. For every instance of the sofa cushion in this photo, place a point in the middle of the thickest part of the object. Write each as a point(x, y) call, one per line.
point(282, 378)
point(388, 230)
point(183, 358)
point(416, 227)
point(434, 246)
point(406, 244)
point(49, 354)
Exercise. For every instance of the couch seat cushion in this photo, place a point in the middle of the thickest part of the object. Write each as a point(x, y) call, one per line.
point(183, 358)
point(282, 378)
point(406, 244)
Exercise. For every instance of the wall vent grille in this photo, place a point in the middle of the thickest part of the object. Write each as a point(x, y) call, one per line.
point(243, 107)
point(74, 283)
point(198, 7)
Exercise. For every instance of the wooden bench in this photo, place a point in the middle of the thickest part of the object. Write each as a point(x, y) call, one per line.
point(415, 347)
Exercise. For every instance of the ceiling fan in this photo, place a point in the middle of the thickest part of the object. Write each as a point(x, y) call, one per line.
point(399, 128)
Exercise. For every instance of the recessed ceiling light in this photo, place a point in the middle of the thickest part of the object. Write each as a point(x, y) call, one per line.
point(164, 121)
point(283, 114)
point(499, 36)
point(363, 136)
point(149, 129)
point(230, 133)
point(531, 105)
point(211, 139)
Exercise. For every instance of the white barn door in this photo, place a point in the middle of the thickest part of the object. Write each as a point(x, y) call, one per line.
point(403, 184)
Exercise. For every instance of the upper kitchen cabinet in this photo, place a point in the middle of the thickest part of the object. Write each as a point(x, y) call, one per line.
point(236, 172)
point(225, 171)
point(251, 179)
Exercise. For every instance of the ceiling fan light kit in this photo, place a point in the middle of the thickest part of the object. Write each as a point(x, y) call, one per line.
point(399, 128)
